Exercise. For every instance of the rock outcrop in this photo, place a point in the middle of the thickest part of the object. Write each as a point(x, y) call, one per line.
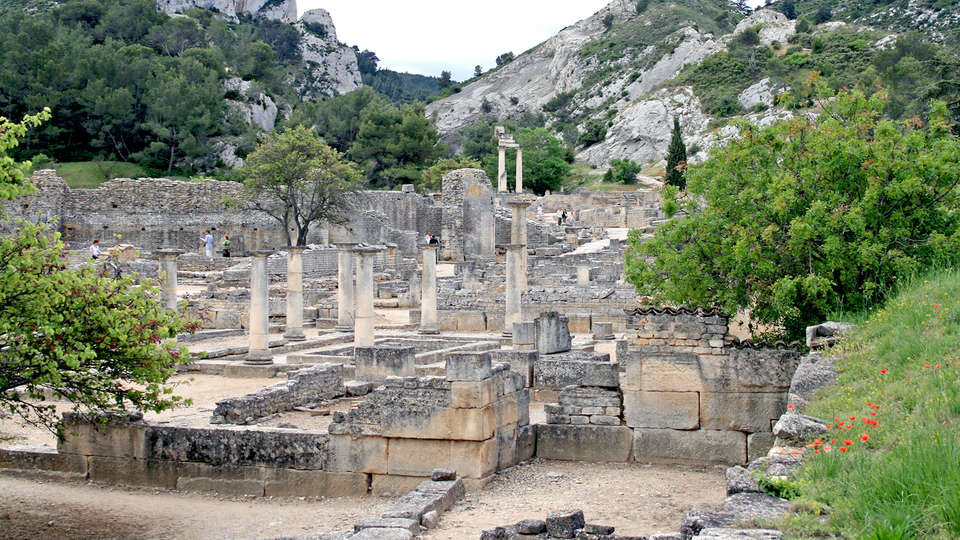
point(330, 67)
point(276, 10)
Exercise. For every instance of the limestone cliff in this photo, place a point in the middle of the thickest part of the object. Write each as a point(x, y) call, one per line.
point(279, 10)
point(331, 67)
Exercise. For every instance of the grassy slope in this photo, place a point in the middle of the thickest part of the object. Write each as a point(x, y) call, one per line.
point(90, 174)
point(904, 482)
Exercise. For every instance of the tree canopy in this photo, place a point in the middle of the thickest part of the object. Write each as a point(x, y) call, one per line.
point(298, 180)
point(809, 216)
point(98, 341)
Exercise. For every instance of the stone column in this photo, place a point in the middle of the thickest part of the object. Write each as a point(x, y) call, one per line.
point(346, 305)
point(513, 312)
point(295, 294)
point(365, 316)
point(392, 256)
point(518, 234)
point(259, 351)
point(168, 265)
point(519, 170)
point(502, 169)
point(428, 299)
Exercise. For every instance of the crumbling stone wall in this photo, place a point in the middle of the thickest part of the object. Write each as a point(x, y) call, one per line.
point(475, 420)
point(468, 216)
point(302, 387)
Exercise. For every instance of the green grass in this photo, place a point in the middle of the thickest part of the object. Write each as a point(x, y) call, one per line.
point(904, 481)
point(90, 174)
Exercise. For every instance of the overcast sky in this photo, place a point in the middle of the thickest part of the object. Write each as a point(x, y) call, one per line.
point(428, 36)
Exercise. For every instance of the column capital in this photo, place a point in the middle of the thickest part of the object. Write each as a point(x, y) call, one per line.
point(346, 246)
point(168, 253)
point(519, 202)
point(262, 253)
point(367, 251)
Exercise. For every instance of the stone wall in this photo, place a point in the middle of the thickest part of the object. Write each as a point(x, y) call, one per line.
point(468, 216)
point(475, 420)
point(302, 387)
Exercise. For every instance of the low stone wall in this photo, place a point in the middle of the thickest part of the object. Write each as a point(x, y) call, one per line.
point(303, 387)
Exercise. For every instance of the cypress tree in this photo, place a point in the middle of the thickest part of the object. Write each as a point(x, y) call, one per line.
point(676, 156)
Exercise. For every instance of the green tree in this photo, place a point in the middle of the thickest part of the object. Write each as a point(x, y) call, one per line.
point(789, 9)
point(298, 180)
point(642, 5)
point(477, 70)
point(394, 145)
point(810, 216)
point(624, 171)
point(822, 15)
point(432, 179)
point(504, 58)
point(676, 157)
point(337, 119)
point(446, 79)
point(608, 21)
point(594, 131)
point(97, 341)
point(546, 162)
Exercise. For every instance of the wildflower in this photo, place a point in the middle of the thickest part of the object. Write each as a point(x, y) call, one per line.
point(853, 417)
point(790, 406)
point(936, 306)
point(843, 448)
point(873, 413)
point(926, 366)
point(908, 380)
point(833, 441)
point(847, 442)
point(937, 366)
point(864, 437)
point(829, 426)
point(817, 451)
point(817, 442)
point(884, 371)
point(794, 451)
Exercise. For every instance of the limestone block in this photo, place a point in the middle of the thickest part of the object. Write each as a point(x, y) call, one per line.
point(763, 370)
point(523, 407)
point(506, 410)
point(521, 362)
point(750, 412)
point(507, 447)
point(474, 424)
point(395, 533)
point(471, 321)
point(524, 335)
point(447, 321)
point(377, 363)
point(758, 444)
point(42, 459)
point(584, 443)
point(233, 488)
point(661, 372)
point(553, 333)
point(602, 330)
point(579, 323)
point(696, 446)
point(468, 366)
point(560, 373)
point(133, 472)
point(674, 410)
point(113, 439)
point(386, 485)
point(296, 483)
point(526, 442)
point(346, 453)
point(471, 394)
point(418, 457)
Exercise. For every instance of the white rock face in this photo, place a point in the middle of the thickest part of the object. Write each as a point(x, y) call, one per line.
point(761, 93)
point(641, 132)
point(531, 80)
point(279, 10)
point(774, 26)
point(254, 107)
point(331, 67)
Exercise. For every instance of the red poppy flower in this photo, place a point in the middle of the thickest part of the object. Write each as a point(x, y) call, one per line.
point(937, 366)
point(936, 306)
point(884, 370)
point(847, 442)
point(829, 426)
point(864, 437)
point(794, 451)
point(817, 441)
point(790, 406)
point(908, 380)
point(833, 441)
point(926, 366)
point(873, 413)
point(817, 451)
point(843, 448)
point(853, 417)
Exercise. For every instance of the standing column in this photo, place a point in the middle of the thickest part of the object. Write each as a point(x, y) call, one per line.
point(168, 265)
point(519, 170)
point(346, 305)
point(365, 317)
point(428, 291)
point(518, 234)
point(259, 351)
point(295, 294)
point(513, 312)
point(502, 169)
point(392, 256)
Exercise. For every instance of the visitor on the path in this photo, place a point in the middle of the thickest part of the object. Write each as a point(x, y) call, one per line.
point(208, 244)
point(226, 246)
point(434, 240)
point(95, 249)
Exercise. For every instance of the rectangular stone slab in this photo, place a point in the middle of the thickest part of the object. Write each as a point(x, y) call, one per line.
point(584, 443)
point(674, 410)
point(703, 446)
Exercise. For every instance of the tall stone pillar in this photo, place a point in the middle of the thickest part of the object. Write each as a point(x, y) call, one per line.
point(519, 170)
point(346, 304)
point(295, 294)
point(259, 351)
point(518, 234)
point(428, 298)
point(502, 169)
point(365, 316)
point(392, 256)
point(168, 265)
point(513, 312)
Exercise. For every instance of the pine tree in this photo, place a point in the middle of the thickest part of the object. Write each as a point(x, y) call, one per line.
point(676, 157)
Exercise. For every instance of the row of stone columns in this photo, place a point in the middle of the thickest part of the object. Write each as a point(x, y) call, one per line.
point(502, 170)
point(516, 270)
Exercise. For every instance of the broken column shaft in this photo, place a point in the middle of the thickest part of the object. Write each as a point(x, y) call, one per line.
point(512, 311)
point(346, 304)
point(259, 351)
point(428, 288)
point(365, 316)
point(294, 330)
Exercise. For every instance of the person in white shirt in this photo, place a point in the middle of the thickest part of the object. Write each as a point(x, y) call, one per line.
point(95, 249)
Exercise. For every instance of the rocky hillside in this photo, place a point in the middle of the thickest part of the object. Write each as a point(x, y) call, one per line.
point(612, 83)
point(275, 10)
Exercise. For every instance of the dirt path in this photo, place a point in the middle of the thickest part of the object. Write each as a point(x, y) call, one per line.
point(637, 499)
point(32, 509)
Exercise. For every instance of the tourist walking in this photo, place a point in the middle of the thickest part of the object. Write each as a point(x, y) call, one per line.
point(207, 242)
point(95, 249)
point(226, 246)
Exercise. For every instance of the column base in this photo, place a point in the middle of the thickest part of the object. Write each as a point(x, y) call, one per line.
point(258, 358)
point(295, 334)
point(344, 328)
point(506, 335)
point(428, 331)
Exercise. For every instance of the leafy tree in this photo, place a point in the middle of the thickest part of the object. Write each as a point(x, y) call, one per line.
point(622, 170)
point(504, 58)
point(99, 342)
point(298, 180)
point(176, 35)
point(810, 216)
point(789, 9)
point(676, 157)
point(803, 25)
point(337, 119)
point(822, 15)
point(394, 145)
point(432, 179)
point(445, 79)
point(642, 5)
point(546, 162)
point(594, 131)
point(608, 21)
point(477, 70)
point(367, 61)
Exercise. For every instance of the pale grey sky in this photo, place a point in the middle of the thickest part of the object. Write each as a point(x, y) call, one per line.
point(428, 36)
